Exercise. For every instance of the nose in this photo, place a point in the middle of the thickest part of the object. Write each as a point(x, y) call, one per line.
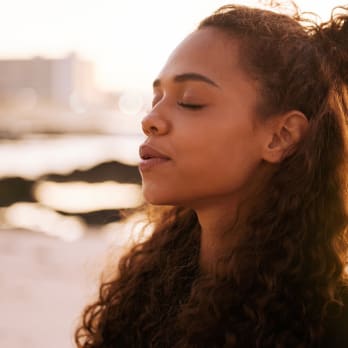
point(154, 124)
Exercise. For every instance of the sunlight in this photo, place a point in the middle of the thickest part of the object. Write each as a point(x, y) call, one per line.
point(128, 41)
point(79, 197)
point(32, 216)
point(31, 158)
point(127, 232)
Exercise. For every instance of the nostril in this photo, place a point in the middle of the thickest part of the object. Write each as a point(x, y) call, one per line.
point(146, 128)
point(154, 125)
point(153, 130)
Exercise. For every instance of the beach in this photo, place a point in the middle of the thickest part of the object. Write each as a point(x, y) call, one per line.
point(45, 282)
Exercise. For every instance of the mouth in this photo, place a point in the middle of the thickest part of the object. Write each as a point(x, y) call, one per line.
point(147, 152)
point(151, 157)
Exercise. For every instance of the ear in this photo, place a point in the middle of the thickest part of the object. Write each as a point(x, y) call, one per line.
point(284, 133)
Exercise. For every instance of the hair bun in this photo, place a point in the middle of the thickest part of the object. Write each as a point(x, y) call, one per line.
point(333, 37)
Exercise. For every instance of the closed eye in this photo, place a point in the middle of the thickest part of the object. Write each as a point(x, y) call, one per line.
point(191, 106)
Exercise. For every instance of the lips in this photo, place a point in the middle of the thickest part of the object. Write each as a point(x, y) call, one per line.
point(151, 158)
point(147, 152)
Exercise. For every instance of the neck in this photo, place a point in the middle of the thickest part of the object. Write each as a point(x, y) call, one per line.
point(217, 216)
point(215, 219)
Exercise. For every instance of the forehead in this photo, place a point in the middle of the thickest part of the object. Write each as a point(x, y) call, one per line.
point(206, 51)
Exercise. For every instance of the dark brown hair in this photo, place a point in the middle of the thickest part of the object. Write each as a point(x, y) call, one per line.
point(286, 274)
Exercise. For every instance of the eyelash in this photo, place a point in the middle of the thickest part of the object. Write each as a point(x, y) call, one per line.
point(191, 106)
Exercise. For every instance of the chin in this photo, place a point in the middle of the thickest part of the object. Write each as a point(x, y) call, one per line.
point(153, 199)
point(158, 197)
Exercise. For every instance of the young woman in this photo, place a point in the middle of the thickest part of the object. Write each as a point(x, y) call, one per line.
point(246, 151)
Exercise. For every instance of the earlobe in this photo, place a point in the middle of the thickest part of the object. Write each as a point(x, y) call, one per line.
point(284, 134)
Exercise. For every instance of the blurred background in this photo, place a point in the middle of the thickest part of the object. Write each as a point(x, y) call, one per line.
point(75, 81)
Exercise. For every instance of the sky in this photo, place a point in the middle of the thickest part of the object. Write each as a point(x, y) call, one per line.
point(128, 41)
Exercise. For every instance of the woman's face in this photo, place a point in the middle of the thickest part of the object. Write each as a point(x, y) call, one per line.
point(203, 139)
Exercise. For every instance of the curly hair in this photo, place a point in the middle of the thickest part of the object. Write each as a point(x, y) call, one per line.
point(285, 277)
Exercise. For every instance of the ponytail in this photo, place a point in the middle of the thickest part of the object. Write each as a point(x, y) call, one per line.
point(332, 36)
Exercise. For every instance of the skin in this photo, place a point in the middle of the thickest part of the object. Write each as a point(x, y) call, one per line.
point(214, 149)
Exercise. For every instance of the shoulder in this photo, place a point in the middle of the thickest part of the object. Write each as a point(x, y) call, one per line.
point(336, 326)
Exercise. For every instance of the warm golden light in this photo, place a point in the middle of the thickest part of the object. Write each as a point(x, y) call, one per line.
point(78, 197)
point(126, 233)
point(32, 216)
point(128, 40)
point(31, 158)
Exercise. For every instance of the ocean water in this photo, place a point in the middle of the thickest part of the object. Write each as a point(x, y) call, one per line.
point(34, 156)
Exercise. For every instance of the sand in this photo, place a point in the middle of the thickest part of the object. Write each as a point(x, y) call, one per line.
point(44, 284)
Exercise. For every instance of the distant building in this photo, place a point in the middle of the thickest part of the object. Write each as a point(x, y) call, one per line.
point(68, 81)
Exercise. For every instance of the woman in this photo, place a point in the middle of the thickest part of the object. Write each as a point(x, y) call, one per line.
point(247, 150)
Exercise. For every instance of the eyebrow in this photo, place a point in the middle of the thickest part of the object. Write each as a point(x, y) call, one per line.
point(191, 76)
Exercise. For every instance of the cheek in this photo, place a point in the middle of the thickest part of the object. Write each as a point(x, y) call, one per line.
point(221, 171)
point(204, 175)
point(208, 162)
point(226, 158)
